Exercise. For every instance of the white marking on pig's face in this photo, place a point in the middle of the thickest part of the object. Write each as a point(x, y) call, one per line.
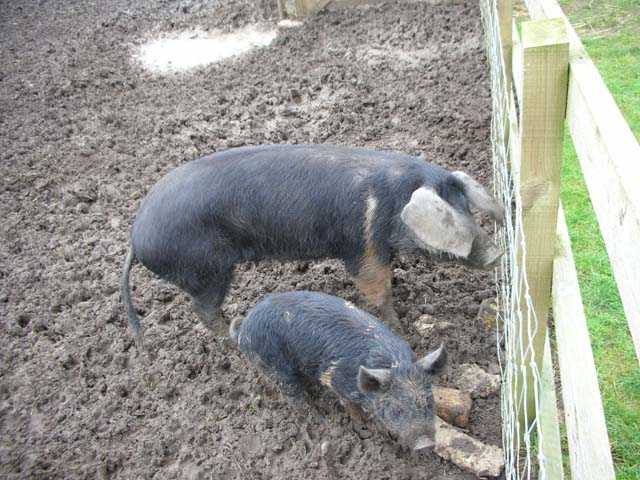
point(438, 224)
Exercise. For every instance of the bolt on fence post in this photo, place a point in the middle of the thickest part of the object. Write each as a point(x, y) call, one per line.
point(545, 47)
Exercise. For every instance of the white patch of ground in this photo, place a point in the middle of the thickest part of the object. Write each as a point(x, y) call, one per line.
point(188, 50)
point(288, 23)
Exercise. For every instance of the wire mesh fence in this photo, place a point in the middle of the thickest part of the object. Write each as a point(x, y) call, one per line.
point(522, 437)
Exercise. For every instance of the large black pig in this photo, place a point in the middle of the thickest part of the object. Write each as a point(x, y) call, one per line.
point(304, 202)
point(299, 337)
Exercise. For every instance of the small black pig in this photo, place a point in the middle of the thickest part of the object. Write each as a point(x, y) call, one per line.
point(306, 336)
point(304, 202)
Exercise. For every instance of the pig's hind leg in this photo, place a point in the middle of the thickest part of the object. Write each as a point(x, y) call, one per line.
point(287, 380)
point(208, 300)
point(292, 386)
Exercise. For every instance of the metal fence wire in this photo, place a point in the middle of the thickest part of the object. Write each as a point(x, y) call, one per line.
point(515, 329)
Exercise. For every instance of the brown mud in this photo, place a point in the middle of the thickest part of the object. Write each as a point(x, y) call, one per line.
point(84, 132)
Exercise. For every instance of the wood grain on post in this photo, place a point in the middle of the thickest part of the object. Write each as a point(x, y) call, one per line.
point(516, 62)
point(505, 18)
point(545, 48)
point(505, 22)
point(282, 12)
point(550, 445)
point(304, 8)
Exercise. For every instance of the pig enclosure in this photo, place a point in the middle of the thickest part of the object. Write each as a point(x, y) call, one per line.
point(85, 131)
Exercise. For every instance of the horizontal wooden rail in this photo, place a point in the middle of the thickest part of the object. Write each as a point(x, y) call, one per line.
point(549, 425)
point(589, 448)
point(610, 158)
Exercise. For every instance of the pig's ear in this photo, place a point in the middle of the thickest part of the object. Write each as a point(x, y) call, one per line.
point(478, 196)
point(435, 361)
point(437, 224)
point(371, 380)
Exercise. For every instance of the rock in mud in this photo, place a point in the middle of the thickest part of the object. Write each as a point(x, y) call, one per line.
point(477, 382)
point(467, 452)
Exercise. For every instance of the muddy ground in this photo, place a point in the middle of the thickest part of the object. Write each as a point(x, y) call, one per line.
point(85, 132)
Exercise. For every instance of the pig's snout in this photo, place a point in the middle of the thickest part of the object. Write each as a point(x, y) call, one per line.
point(490, 257)
point(484, 253)
point(420, 440)
point(424, 444)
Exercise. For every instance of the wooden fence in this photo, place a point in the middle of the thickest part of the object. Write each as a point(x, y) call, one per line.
point(554, 79)
point(299, 8)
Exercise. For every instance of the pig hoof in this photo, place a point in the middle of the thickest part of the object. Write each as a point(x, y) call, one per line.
point(225, 343)
point(358, 420)
point(362, 431)
point(219, 329)
point(359, 426)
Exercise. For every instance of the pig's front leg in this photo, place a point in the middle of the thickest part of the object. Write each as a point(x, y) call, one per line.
point(358, 419)
point(387, 311)
point(373, 279)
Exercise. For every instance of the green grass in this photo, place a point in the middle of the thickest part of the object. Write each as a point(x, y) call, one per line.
point(618, 60)
point(610, 31)
point(614, 353)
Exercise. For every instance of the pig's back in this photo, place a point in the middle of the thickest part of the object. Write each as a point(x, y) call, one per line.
point(283, 201)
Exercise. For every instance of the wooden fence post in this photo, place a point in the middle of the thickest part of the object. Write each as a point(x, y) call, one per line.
point(302, 8)
point(545, 49)
point(505, 21)
point(505, 14)
point(282, 12)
